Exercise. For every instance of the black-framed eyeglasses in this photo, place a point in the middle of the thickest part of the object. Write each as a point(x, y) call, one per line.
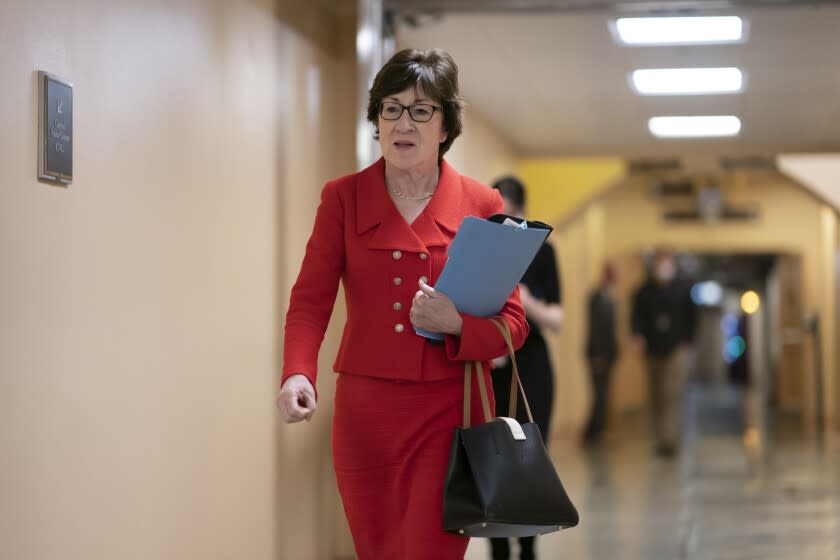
point(419, 112)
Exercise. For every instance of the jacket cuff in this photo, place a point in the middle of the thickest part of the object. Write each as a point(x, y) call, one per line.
point(479, 340)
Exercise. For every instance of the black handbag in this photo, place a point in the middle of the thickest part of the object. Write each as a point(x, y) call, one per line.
point(500, 481)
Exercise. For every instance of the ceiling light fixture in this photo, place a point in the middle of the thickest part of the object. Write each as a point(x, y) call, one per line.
point(694, 127)
point(687, 81)
point(679, 30)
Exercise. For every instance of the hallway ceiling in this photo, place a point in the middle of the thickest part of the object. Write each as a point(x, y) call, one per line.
point(555, 82)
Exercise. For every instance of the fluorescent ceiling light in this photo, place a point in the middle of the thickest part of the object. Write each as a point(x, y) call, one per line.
point(687, 81)
point(679, 30)
point(694, 127)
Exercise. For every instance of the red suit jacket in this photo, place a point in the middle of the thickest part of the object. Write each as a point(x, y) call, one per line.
point(360, 237)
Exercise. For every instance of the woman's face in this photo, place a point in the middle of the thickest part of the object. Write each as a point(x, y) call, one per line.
point(407, 144)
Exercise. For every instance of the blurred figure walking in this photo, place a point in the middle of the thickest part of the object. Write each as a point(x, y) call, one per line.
point(663, 324)
point(601, 351)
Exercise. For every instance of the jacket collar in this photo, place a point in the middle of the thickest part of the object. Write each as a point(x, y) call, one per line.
point(375, 207)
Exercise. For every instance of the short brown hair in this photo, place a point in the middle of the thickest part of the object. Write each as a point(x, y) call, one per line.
point(431, 71)
point(512, 189)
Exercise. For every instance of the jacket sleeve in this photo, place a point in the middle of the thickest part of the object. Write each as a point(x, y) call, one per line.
point(313, 295)
point(480, 339)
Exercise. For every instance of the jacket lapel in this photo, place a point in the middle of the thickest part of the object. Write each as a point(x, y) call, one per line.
point(374, 208)
point(442, 217)
point(434, 227)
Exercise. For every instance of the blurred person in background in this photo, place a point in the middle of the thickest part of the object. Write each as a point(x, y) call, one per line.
point(384, 232)
point(601, 350)
point(663, 325)
point(541, 297)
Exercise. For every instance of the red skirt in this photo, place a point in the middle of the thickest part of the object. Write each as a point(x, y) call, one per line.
point(391, 445)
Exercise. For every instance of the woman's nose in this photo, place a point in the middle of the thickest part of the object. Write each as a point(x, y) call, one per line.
point(405, 122)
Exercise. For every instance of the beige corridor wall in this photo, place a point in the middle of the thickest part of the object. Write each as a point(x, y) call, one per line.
point(141, 307)
point(318, 143)
point(481, 152)
point(821, 174)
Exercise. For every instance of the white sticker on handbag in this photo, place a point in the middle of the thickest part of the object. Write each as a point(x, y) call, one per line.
point(514, 426)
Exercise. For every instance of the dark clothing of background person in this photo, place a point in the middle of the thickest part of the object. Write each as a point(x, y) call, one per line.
point(535, 370)
point(533, 358)
point(664, 315)
point(601, 353)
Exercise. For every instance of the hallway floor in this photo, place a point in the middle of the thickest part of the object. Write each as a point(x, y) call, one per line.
point(710, 503)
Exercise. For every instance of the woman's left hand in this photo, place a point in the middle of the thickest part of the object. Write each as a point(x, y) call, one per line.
point(434, 311)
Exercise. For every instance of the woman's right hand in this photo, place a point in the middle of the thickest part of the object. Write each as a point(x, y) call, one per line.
point(296, 399)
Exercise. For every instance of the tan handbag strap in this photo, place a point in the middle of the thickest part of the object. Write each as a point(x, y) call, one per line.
point(467, 392)
point(482, 391)
point(515, 380)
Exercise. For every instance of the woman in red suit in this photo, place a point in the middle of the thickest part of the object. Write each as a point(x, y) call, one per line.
point(384, 232)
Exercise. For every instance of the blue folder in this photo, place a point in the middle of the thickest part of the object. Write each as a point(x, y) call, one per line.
point(486, 260)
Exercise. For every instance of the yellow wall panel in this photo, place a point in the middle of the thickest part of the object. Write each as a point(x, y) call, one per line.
point(556, 187)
